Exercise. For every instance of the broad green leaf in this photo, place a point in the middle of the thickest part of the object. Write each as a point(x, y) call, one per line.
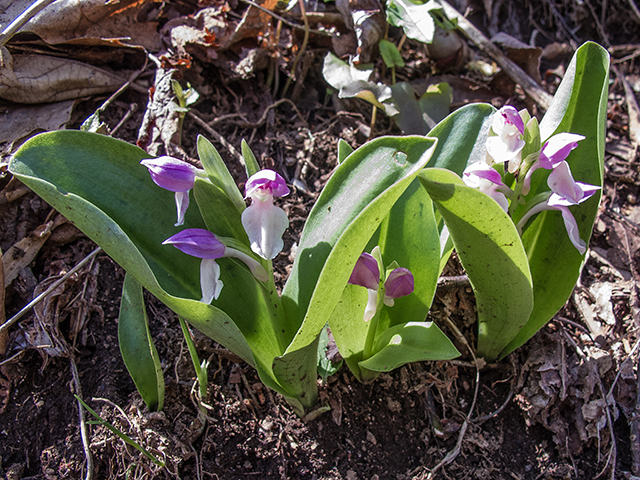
point(358, 196)
point(461, 137)
point(297, 372)
point(390, 54)
point(409, 236)
point(98, 184)
point(410, 342)
point(349, 328)
point(579, 106)
point(418, 116)
point(415, 20)
point(136, 345)
point(435, 103)
point(223, 219)
point(218, 172)
point(492, 254)
point(326, 367)
point(251, 164)
point(409, 118)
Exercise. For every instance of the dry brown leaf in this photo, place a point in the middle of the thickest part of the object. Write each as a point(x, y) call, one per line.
point(67, 20)
point(366, 22)
point(43, 79)
point(22, 253)
point(199, 35)
point(254, 22)
point(18, 121)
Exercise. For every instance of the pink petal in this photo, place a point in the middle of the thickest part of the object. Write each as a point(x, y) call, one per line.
point(399, 283)
point(170, 173)
point(197, 242)
point(557, 149)
point(366, 272)
point(266, 183)
point(481, 170)
point(507, 116)
point(561, 182)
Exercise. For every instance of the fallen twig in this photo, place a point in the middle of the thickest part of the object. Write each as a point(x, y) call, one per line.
point(23, 18)
point(451, 456)
point(53, 286)
point(217, 137)
point(517, 74)
point(303, 47)
point(83, 420)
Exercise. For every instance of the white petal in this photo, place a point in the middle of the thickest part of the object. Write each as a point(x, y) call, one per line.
point(372, 304)
point(210, 282)
point(572, 230)
point(182, 203)
point(265, 224)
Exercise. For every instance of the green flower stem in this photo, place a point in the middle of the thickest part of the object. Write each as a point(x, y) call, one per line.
point(201, 373)
point(373, 326)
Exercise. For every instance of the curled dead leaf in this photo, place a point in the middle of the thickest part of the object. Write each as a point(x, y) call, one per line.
point(45, 79)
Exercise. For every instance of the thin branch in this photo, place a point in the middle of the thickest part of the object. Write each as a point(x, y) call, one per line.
point(55, 285)
point(303, 47)
point(517, 74)
point(83, 421)
point(285, 21)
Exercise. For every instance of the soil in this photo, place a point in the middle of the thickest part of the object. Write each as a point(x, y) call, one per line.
point(548, 411)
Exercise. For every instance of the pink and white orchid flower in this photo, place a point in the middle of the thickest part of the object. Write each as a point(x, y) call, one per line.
point(262, 220)
point(554, 152)
point(366, 274)
point(507, 144)
point(203, 244)
point(565, 193)
point(176, 176)
point(486, 179)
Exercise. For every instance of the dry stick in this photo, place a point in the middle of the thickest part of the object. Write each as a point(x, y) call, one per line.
point(4, 336)
point(55, 285)
point(634, 7)
point(285, 21)
point(263, 117)
point(517, 74)
point(23, 18)
point(217, 136)
point(634, 424)
point(83, 423)
point(303, 47)
point(451, 456)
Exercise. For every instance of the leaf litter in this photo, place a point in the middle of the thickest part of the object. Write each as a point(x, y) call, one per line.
point(574, 385)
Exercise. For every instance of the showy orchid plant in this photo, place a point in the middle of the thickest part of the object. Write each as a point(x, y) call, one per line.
point(515, 198)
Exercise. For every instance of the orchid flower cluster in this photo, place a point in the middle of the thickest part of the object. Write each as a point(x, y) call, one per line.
point(505, 149)
point(263, 222)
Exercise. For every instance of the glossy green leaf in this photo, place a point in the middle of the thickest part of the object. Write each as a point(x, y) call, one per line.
point(409, 236)
point(390, 54)
point(218, 172)
point(460, 137)
point(410, 342)
point(136, 345)
point(492, 254)
point(94, 180)
point(579, 106)
point(358, 196)
point(349, 328)
point(251, 164)
point(326, 367)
